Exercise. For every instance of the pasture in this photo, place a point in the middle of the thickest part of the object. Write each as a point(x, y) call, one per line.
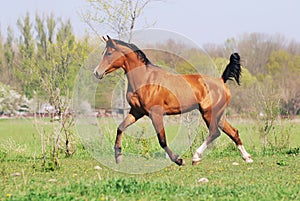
point(274, 175)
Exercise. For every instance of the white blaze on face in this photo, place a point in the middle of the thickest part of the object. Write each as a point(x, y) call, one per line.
point(96, 68)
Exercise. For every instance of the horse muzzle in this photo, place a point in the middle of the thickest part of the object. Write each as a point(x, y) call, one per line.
point(98, 75)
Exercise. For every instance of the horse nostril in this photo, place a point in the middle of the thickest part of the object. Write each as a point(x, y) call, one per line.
point(96, 74)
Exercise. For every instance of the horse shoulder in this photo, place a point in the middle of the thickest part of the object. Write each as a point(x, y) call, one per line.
point(133, 98)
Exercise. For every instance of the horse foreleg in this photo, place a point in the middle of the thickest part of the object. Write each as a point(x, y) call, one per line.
point(157, 121)
point(130, 119)
point(234, 135)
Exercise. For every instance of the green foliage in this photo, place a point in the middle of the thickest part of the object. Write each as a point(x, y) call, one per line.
point(294, 151)
point(283, 68)
point(248, 79)
point(202, 62)
point(281, 61)
point(49, 59)
point(46, 53)
point(55, 67)
point(9, 57)
point(263, 180)
point(26, 48)
point(277, 62)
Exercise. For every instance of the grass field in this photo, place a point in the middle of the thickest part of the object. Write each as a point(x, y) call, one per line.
point(274, 175)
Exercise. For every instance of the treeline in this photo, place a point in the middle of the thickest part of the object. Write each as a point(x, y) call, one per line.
point(45, 56)
point(274, 65)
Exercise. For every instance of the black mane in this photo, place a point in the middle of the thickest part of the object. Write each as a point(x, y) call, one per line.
point(141, 55)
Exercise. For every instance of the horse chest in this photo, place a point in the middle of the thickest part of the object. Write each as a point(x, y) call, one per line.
point(133, 99)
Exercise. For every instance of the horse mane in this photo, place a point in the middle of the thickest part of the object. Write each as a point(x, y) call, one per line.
point(141, 55)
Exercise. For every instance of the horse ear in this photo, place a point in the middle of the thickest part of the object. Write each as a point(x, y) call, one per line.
point(104, 39)
point(111, 43)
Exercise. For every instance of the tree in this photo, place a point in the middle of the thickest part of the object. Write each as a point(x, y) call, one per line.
point(47, 69)
point(9, 58)
point(256, 49)
point(26, 50)
point(54, 69)
point(115, 16)
point(284, 68)
point(2, 69)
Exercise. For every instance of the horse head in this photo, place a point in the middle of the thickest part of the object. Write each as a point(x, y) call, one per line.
point(113, 59)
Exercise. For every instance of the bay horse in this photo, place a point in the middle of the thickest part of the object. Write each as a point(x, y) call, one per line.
point(154, 92)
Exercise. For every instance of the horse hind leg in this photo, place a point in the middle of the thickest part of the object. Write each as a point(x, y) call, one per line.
point(213, 134)
point(197, 157)
point(234, 135)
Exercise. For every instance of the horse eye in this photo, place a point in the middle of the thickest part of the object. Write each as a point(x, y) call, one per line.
point(109, 53)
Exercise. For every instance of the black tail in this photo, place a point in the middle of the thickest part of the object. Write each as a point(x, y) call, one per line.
point(233, 69)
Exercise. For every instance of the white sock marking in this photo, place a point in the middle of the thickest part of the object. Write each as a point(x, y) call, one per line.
point(199, 152)
point(246, 156)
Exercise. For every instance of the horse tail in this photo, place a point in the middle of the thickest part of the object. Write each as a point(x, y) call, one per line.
point(233, 69)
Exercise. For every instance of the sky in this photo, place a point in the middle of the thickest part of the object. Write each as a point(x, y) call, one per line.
point(209, 21)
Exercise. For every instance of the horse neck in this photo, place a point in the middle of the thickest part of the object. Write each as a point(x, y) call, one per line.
point(136, 73)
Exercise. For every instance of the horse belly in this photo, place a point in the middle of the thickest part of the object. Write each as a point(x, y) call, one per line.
point(180, 102)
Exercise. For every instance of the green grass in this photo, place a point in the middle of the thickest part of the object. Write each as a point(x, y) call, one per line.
point(274, 175)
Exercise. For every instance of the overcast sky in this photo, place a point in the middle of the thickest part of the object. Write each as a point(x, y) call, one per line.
point(209, 21)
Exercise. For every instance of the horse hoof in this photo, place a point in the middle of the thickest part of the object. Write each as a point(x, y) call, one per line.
point(119, 158)
point(194, 163)
point(248, 160)
point(180, 162)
